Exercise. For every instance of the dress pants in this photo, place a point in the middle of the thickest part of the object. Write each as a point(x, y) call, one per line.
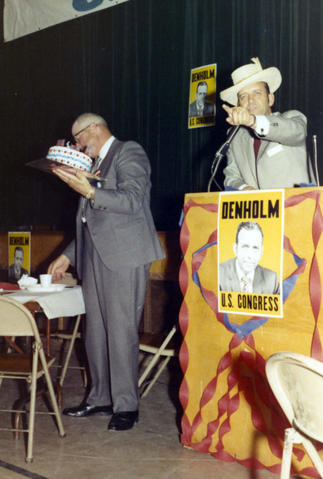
point(114, 302)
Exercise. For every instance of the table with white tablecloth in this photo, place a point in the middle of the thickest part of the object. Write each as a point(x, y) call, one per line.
point(54, 304)
point(68, 302)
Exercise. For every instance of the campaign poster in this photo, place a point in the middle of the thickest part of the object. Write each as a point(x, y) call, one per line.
point(201, 110)
point(250, 252)
point(19, 246)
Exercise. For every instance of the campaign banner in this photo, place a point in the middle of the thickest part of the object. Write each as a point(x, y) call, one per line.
point(201, 109)
point(21, 17)
point(19, 247)
point(250, 252)
point(229, 410)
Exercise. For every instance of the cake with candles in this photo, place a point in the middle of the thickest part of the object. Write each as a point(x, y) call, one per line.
point(70, 157)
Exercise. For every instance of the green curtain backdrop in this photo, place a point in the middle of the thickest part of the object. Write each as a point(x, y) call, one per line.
point(131, 64)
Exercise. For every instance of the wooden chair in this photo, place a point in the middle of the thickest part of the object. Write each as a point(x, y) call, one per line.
point(297, 382)
point(16, 321)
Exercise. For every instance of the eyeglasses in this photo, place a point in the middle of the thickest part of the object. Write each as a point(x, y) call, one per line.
point(81, 131)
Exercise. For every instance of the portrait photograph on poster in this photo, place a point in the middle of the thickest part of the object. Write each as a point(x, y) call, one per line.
point(18, 254)
point(250, 252)
point(201, 110)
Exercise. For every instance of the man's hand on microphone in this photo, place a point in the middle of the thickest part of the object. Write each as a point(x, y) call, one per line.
point(239, 116)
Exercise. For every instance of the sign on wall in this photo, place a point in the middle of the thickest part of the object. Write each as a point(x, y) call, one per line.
point(250, 252)
point(201, 110)
point(22, 17)
point(19, 246)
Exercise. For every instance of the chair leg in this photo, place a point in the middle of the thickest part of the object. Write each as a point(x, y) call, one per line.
point(16, 425)
point(84, 373)
point(52, 394)
point(31, 420)
point(312, 452)
point(157, 356)
point(59, 395)
point(69, 351)
point(287, 453)
point(158, 373)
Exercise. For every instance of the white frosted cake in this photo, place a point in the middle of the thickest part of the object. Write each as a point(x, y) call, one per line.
point(69, 157)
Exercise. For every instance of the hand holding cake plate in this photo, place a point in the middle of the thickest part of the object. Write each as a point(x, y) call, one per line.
point(69, 159)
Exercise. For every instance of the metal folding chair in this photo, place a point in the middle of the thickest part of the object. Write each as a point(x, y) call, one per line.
point(70, 336)
point(16, 321)
point(161, 349)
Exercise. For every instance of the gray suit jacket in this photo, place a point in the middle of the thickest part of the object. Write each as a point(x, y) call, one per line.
point(119, 219)
point(265, 280)
point(282, 157)
point(208, 109)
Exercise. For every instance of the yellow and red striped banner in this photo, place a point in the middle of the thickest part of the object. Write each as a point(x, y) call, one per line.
point(229, 410)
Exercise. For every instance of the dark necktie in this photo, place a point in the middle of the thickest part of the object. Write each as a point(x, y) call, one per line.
point(84, 201)
point(256, 145)
point(95, 165)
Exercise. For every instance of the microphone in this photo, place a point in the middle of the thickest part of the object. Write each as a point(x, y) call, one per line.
point(222, 151)
point(224, 148)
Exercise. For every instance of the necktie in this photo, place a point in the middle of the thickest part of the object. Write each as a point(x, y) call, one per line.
point(84, 201)
point(246, 286)
point(256, 146)
point(96, 164)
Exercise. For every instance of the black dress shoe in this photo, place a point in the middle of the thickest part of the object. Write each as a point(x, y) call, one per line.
point(86, 409)
point(121, 421)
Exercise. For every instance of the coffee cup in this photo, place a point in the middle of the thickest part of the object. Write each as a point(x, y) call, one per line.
point(45, 280)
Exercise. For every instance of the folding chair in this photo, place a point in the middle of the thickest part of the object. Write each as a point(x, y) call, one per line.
point(162, 349)
point(297, 383)
point(70, 336)
point(16, 320)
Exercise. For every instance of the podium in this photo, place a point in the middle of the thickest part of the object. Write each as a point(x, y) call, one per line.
point(229, 410)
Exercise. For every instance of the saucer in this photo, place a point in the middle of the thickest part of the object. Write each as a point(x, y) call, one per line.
point(38, 288)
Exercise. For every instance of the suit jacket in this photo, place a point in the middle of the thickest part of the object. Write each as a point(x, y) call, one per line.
point(12, 274)
point(282, 157)
point(207, 110)
point(119, 219)
point(265, 280)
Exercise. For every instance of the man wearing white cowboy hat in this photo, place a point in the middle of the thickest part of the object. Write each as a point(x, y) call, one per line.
point(279, 160)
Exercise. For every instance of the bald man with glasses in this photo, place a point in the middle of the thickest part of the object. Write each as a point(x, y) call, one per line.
point(116, 241)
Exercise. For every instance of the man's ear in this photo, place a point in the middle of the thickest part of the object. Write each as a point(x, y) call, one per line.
point(271, 99)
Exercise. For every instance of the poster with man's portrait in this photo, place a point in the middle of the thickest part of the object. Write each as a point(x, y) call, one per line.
point(201, 109)
point(250, 252)
point(19, 254)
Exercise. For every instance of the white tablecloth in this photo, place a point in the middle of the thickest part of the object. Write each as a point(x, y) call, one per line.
point(68, 302)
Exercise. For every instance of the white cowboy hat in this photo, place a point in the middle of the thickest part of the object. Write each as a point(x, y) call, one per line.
point(251, 73)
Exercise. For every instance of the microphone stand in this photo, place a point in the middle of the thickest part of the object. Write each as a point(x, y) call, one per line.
point(221, 152)
point(315, 161)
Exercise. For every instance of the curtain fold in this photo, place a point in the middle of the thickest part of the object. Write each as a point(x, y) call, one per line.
point(131, 64)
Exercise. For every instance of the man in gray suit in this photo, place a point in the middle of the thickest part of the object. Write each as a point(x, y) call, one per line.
point(15, 270)
point(201, 107)
point(269, 150)
point(243, 272)
point(116, 242)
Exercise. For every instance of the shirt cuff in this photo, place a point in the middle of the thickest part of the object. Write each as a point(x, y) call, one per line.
point(242, 186)
point(262, 125)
